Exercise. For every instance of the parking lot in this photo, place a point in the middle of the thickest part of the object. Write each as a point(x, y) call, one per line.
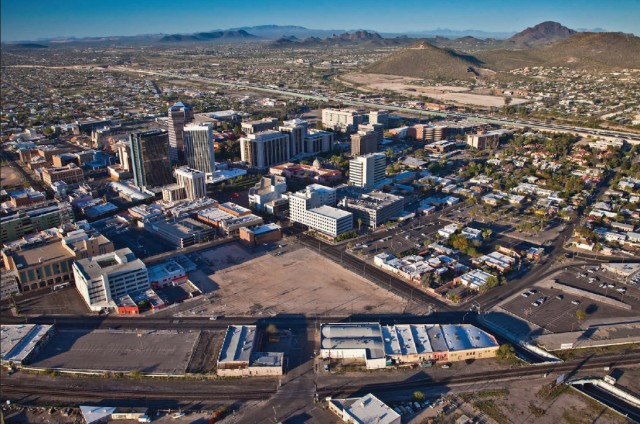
point(604, 283)
point(556, 311)
point(64, 301)
point(162, 351)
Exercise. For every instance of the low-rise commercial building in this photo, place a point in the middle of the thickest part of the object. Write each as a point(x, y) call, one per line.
point(367, 409)
point(181, 232)
point(267, 190)
point(267, 233)
point(239, 356)
point(70, 174)
point(374, 208)
point(379, 346)
point(20, 343)
point(18, 223)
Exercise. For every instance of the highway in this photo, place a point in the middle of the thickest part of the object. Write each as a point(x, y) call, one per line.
point(633, 138)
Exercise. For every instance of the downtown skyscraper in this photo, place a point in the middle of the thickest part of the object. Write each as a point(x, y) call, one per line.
point(150, 158)
point(198, 147)
point(179, 115)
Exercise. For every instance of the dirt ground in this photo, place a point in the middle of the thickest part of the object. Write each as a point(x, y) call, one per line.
point(296, 281)
point(9, 176)
point(409, 87)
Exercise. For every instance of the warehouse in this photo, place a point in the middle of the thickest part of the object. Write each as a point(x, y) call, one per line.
point(20, 343)
point(238, 356)
point(379, 346)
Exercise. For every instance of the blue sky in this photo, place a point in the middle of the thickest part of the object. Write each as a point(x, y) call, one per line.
point(33, 19)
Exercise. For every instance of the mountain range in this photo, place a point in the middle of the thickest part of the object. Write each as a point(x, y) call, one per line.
point(276, 32)
point(546, 44)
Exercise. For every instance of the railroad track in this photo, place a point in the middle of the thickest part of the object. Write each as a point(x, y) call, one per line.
point(508, 374)
point(76, 394)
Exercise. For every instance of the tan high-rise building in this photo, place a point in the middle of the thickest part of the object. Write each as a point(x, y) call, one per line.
point(179, 115)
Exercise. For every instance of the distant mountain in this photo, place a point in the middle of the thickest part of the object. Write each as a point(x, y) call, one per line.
point(276, 32)
point(208, 36)
point(450, 33)
point(425, 60)
point(26, 46)
point(360, 38)
point(540, 35)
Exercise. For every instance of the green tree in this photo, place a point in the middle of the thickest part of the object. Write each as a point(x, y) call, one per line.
point(418, 396)
point(581, 315)
point(492, 281)
point(506, 351)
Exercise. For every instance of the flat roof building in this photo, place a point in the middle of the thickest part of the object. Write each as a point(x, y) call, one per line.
point(18, 223)
point(260, 125)
point(239, 356)
point(374, 208)
point(365, 410)
point(181, 232)
point(150, 158)
point(313, 207)
point(70, 174)
point(264, 149)
point(193, 181)
point(368, 170)
point(346, 120)
point(20, 343)
point(104, 278)
point(376, 345)
point(198, 147)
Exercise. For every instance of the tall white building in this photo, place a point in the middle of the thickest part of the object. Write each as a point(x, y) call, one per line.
point(342, 119)
point(105, 278)
point(198, 147)
point(264, 149)
point(297, 130)
point(367, 170)
point(193, 181)
point(313, 207)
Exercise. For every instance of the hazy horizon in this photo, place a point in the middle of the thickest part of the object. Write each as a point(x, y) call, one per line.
point(40, 19)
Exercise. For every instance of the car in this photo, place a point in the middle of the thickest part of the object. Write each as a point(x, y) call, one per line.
point(535, 303)
point(326, 367)
point(621, 290)
point(417, 405)
point(559, 297)
point(602, 285)
point(575, 302)
point(213, 318)
point(178, 415)
point(525, 294)
point(610, 285)
point(445, 366)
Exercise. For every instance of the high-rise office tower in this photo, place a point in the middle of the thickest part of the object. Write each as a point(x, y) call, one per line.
point(179, 115)
point(198, 147)
point(367, 171)
point(364, 142)
point(150, 158)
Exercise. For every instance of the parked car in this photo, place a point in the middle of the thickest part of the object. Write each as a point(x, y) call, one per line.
point(575, 302)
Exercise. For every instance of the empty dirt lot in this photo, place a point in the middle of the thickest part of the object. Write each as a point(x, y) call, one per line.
point(409, 87)
point(297, 281)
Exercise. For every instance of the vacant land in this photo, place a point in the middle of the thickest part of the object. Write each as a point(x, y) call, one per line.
point(9, 176)
point(155, 352)
point(410, 87)
point(296, 281)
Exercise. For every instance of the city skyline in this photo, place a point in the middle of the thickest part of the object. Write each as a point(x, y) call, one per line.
point(42, 20)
